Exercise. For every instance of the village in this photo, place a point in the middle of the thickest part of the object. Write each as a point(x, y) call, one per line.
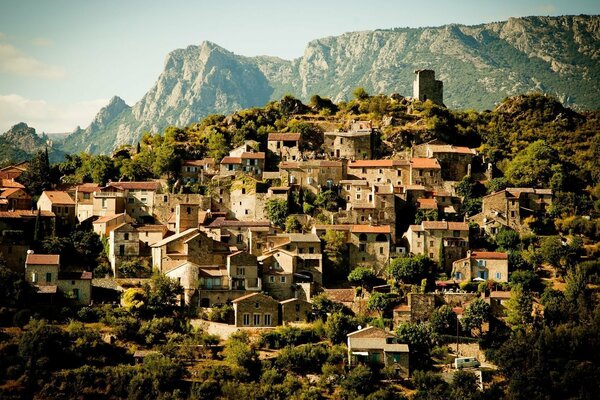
point(391, 241)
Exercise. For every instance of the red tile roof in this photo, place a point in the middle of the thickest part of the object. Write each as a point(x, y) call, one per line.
point(222, 222)
point(459, 226)
point(43, 259)
point(371, 229)
point(25, 213)
point(231, 160)
point(88, 187)
point(428, 204)
point(377, 163)
point(61, 198)
point(490, 255)
point(6, 193)
point(424, 163)
point(199, 163)
point(448, 148)
point(9, 183)
point(153, 185)
point(253, 156)
point(273, 137)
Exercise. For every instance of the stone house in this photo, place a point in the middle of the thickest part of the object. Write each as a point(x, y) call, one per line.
point(306, 249)
point(278, 268)
point(426, 172)
point(430, 237)
point(248, 163)
point(84, 200)
point(481, 265)
point(313, 174)
point(256, 310)
point(13, 171)
point(124, 245)
point(369, 203)
point(242, 270)
point(43, 271)
point(247, 198)
point(375, 345)
point(151, 233)
point(59, 203)
point(104, 225)
point(108, 200)
point(165, 203)
point(395, 172)
point(454, 160)
point(295, 310)
point(352, 145)
point(286, 146)
point(198, 171)
point(139, 198)
point(420, 306)
point(243, 235)
point(14, 199)
point(508, 208)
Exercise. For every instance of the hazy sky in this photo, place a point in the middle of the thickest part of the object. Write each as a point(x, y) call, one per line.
point(61, 60)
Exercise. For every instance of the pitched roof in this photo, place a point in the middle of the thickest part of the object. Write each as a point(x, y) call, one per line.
point(231, 160)
point(341, 295)
point(294, 299)
point(57, 197)
point(152, 185)
point(424, 163)
point(258, 155)
point(377, 163)
point(445, 225)
point(25, 213)
point(251, 295)
point(277, 136)
point(87, 187)
point(85, 275)
point(490, 255)
point(222, 222)
point(107, 218)
point(199, 163)
point(10, 183)
point(174, 237)
point(43, 259)
point(371, 229)
point(448, 148)
point(428, 204)
point(6, 193)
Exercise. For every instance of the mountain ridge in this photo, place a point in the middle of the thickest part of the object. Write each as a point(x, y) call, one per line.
point(479, 64)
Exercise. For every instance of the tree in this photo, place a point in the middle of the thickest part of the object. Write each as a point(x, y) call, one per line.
point(292, 224)
point(507, 239)
point(533, 166)
point(163, 295)
point(338, 325)
point(410, 269)
point(277, 211)
point(361, 276)
point(358, 381)
point(329, 200)
point(528, 280)
point(379, 302)
point(519, 307)
point(311, 135)
point(420, 339)
point(216, 145)
point(15, 291)
point(464, 386)
point(36, 177)
point(360, 93)
point(443, 320)
point(475, 315)
point(335, 248)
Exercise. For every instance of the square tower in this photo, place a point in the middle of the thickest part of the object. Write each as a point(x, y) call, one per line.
point(425, 87)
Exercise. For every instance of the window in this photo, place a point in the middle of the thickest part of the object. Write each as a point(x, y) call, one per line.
point(297, 307)
point(72, 282)
point(48, 276)
point(246, 319)
point(431, 243)
point(246, 211)
point(256, 319)
point(121, 249)
point(481, 263)
point(103, 203)
point(257, 305)
point(143, 200)
point(271, 279)
point(130, 200)
point(76, 294)
point(282, 279)
point(165, 198)
point(456, 233)
point(357, 196)
point(34, 277)
point(311, 250)
point(243, 190)
point(347, 187)
point(362, 237)
point(126, 236)
point(512, 214)
point(267, 319)
point(241, 271)
point(399, 173)
point(362, 247)
point(86, 196)
point(188, 210)
point(240, 238)
point(457, 275)
point(498, 275)
point(381, 250)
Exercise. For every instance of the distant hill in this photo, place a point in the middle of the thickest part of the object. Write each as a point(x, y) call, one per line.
point(480, 65)
point(21, 142)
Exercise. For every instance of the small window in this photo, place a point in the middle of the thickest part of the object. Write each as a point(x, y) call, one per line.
point(121, 249)
point(256, 319)
point(48, 276)
point(282, 279)
point(297, 307)
point(267, 319)
point(189, 210)
point(381, 250)
point(246, 319)
point(165, 198)
point(271, 279)
point(76, 294)
point(126, 236)
point(243, 190)
point(362, 247)
point(241, 271)
point(498, 275)
point(257, 305)
point(86, 196)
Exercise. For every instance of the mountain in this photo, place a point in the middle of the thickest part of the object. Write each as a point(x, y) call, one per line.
point(480, 65)
point(21, 142)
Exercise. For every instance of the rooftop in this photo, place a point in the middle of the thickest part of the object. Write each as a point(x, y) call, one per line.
point(57, 197)
point(490, 255)
point(424, 163)
point(222, 222)
point(42, 259)
point(283, 136)
point(152, 185)
point(377, 163)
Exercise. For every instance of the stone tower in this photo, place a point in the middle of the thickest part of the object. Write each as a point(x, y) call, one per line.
point(425, 87)
point(186, 217)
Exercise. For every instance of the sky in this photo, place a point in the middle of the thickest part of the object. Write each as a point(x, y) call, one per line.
point(62, 60)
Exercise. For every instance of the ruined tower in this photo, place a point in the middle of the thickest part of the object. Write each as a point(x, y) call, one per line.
point(425, 87)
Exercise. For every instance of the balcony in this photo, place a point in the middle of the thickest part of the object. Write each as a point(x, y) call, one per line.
point(108, 195)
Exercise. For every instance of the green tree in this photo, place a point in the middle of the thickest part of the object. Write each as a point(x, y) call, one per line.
point(379, 302)
point(36, 177)
point(292, 224)
point(15, 291)
point(420, 339)
point(464, 386)
point(163, 295)
point(311, 135)
point(360, 93)
point(519, 308)
point(475, 315)
point(358, 381)
point(443, 320)
point(410, 269)
point(335, 249)
point(338, 325)
point(361, 276)
point(277, 211)
point(533, 166)
point(507, 239)
point(329, 200)
point(216, 145)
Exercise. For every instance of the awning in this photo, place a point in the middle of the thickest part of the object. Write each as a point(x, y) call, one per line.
point(360, 353)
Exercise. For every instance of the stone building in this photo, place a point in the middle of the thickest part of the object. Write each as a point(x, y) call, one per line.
point(109, 200)
point(306, 249)
point(14, 199)
point(295, 310)
point(124, 245)
point(165, 203)
point(426, 87)
point(426, 172)
point(84, 200)
point(256, 310)
point(243, 235)
point(369, 204)
point(455, 161)
point(508, 208)
point(140, 198)
point(13, 171)
point(431, 237)
point(395, 172)
point(286, 146)
point(312, 175)
point(278, 268)
point(247, 162)
point(104, 225)
point(482, 265)
point(59, 203)
point(352, 145)
point(198, 171)
point(375, 345)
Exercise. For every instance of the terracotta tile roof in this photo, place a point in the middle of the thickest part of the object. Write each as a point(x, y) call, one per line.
point(490, 255)
point(231, 160)
point(424, 163)
point(107, 218)
point(311, 164)
point(377, 163)
point(253, 156)
point(371, 229)
point(61, 198)
point(88, 187)
point(6, 193)
point(9, 183)
point(338, 227)
point(500, 294)
point(428, 204)
point(448, 148)
point(273, 137)
point(43, 259)
point(251, 295)
point(25, 213)
point(222, 222)
point(153, 185)
point(459, 226)
point(341, 295)
point(288, 165)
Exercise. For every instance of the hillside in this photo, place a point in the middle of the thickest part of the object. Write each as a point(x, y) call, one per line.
point(21, 142)
point(480, 65)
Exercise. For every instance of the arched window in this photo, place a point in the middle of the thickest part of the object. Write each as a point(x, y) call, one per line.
point(381, 238)
point(362, 237)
